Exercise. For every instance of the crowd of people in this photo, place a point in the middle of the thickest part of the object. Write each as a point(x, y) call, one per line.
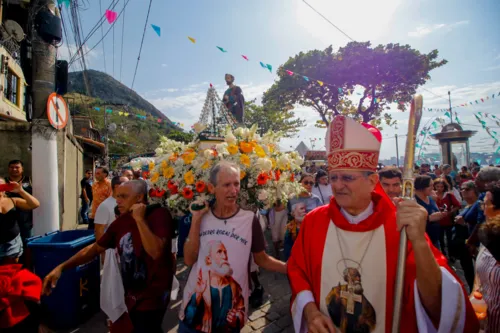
point(455, 218)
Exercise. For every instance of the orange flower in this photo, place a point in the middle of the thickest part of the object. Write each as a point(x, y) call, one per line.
point(200, 186)
point(246, 147)
point(292, 177)
point(173, 157)
point(277, 174)
point(262, 179)
point(242, 174)
point(187, 193)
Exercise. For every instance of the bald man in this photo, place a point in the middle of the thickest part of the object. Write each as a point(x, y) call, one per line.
point(142, 238)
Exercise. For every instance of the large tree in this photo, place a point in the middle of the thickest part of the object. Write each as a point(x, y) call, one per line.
point(385, 74)
point(271, 117)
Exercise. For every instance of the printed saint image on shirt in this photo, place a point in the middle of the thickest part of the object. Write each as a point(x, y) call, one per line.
point(216, 302)
point(132, 268)
point(348, 307)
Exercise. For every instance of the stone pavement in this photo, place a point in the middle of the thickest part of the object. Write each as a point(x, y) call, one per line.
point(273, 316)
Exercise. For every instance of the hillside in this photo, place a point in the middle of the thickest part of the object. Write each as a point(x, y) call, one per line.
point(111, 91)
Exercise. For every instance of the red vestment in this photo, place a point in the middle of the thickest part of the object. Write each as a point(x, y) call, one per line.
point(314, 267)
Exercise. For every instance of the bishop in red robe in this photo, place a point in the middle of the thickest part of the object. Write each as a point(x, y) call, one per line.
point(342, 267)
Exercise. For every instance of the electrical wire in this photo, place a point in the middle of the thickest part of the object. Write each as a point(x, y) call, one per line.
point(93, 47)
point(326, 19)
point(102, 34)
point(123, 33)
point(113, 50)
point(142, 42)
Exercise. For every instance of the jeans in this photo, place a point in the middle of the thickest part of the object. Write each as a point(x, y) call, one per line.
point(84, 212)
point(183, 328)
point(147, 321)
point(433, 230)
point(445, 231)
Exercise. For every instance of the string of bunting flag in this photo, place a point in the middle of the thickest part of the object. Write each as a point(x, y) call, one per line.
point(464, 105)
point(138, 116)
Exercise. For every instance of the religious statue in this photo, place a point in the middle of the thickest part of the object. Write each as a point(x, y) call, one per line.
point(234, 100)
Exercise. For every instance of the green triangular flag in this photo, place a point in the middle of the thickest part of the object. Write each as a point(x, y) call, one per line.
point(220, 48)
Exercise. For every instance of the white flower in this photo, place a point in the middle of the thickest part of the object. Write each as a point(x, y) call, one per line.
point(209, 154)
point(158, 151)
point(264, 164)
point(199, 127)
point(230, 138)
point(283, 161)
point(239, 131)
point(263, 195)
point(222, 148)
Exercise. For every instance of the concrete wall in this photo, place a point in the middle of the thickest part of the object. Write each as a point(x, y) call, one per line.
point(15, 141)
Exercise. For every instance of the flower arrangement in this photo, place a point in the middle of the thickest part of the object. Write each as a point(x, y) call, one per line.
point(181, 173)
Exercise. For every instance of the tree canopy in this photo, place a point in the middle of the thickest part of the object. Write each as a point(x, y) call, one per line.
point(271, 117)
point(385, 74)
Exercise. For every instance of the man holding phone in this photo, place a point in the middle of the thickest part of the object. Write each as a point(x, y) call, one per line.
point(142, 236)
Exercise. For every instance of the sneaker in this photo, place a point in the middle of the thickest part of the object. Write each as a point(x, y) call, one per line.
point(257, 297)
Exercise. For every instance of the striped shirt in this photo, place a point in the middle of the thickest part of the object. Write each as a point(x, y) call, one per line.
point(488, 272)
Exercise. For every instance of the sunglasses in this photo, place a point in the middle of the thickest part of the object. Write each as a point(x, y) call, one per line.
point(308, 183)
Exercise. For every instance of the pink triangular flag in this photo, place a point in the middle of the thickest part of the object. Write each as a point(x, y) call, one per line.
point(110, 16)
point(245, 57)
point(289, 72)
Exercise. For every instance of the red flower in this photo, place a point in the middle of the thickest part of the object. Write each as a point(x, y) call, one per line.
point(170, 185)
point(262, 179)
point(292, 177)
point(200, 186)
point(174, 190)
point(187, 193)
point(277, 174)
point(152, 193)
point(160, 193)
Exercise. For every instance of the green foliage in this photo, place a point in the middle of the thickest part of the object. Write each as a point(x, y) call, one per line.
point(271, 117)
point(180, 136)
point(388, 73)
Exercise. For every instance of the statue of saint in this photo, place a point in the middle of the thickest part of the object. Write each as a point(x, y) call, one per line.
point(234, 100)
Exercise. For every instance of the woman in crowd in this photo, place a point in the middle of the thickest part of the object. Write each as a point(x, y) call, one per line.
point(293, 228)
point(423, 193)
point(488, 259)
point(11, 245)
point(464, 175)
point(448, 204)
point(465, 222)
point(322, 188)
point(311, 200)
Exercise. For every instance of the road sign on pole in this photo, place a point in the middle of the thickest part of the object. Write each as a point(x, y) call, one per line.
point(57, 111)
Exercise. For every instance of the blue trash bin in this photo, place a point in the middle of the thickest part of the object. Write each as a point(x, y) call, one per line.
point(76, 297)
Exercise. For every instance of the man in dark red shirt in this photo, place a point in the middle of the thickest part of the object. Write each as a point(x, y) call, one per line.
point(142, 236)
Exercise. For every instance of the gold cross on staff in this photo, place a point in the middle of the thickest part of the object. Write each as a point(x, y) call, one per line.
point(350, 297)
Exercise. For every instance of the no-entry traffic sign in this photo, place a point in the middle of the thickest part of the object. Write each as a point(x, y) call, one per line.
point(57, 111)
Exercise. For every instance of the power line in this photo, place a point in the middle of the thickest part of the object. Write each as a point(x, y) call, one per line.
point(331, 23)
point(113, 50)
point(93, 47)
point(123, 33)
point(142, 42)
point(434, 93)
point(102, 35)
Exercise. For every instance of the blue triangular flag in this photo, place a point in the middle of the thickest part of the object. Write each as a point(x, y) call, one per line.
point(97, 108)
point(263, 65)
point(60, 2)
point(157, 29)
point(220, 48)
point(306, 78)
point(270, 68)
point(109, 111)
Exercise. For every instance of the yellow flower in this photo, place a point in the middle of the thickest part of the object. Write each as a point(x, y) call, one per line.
point(189, 177)
point(206, 165)
point(273, 161)
point(188, 157)
point(242, 174)
point(164, 164)
point(271, 148)
point(232, 149)
point(151, 165)
point(155, 177)
point(245, 160)
point(260, 151)
point(168, 172)
point(246, 147)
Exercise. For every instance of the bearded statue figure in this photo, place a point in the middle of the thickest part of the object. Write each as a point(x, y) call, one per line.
point(234, 100)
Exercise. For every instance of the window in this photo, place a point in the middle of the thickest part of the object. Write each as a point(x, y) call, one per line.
point(11, 86)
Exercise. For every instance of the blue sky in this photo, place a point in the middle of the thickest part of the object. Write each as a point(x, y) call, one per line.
point(174, 73)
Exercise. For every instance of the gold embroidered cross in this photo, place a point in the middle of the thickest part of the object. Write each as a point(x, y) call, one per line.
point(351, 298)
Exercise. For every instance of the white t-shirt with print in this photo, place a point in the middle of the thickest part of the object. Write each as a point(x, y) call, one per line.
point(217, 287)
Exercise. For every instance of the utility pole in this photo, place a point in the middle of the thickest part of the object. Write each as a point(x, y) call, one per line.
point(397, 151)
point(451, 112)
point(44, 137)
point(106, 141)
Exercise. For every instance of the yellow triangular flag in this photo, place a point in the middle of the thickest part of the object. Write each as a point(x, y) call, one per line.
point(120, 113)
point(126, 114)
point(192, 39)
point(348, 93)
point(320, 83)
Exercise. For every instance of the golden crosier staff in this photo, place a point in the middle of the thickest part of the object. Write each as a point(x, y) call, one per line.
point(408, 189)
